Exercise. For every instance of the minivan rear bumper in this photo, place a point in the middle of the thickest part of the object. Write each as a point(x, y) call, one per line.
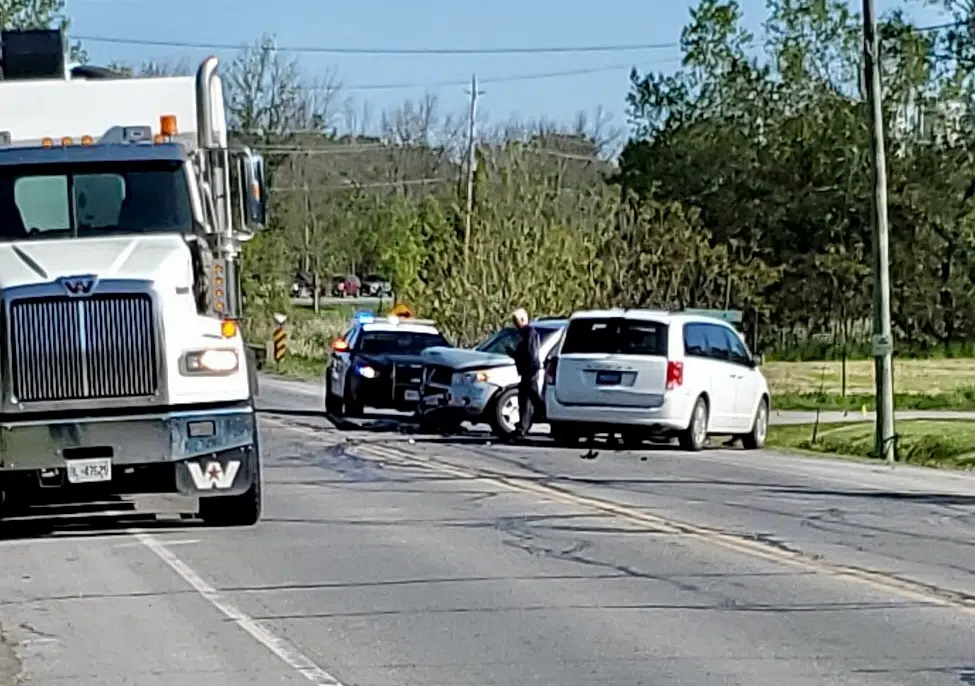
point(673, 415)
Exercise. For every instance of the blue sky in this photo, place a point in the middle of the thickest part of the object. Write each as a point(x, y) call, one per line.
point(428, 24)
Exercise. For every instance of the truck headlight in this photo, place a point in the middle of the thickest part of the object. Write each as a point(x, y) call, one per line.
point(476, 377)
point(211, 362)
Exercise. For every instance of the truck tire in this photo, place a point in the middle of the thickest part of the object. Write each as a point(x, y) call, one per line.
point(236, 510)
point(252, 382)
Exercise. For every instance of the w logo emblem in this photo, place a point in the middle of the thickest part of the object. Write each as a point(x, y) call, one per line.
point(76, 286)
point(213, 475)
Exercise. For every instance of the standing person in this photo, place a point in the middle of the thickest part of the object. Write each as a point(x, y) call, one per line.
point(528, 366)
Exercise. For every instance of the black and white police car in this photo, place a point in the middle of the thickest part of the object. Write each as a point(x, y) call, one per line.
point(377, 363)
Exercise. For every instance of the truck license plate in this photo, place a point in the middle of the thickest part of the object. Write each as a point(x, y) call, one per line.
point(90, 471)
point(411, 395)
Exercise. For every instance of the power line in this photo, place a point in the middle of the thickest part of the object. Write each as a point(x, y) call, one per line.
point(530, 76)
point(321, 50)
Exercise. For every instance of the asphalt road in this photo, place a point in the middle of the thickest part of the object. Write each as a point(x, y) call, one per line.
point(388, 559)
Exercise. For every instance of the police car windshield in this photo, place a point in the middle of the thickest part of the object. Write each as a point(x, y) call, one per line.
point(399, 342)
point(44, 201)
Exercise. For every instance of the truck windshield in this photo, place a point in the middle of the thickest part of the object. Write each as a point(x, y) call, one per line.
point(41, 201)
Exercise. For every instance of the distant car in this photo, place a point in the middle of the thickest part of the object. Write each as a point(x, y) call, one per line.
point(646, 373)
point(481, 385)
point(302, 287)
point(376, 286)
point(377, 363)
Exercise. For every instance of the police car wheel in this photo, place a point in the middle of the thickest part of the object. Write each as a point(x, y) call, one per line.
point(333, 403)
point(350, 406)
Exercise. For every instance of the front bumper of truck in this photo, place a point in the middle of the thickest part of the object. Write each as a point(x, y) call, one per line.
point(195, 452)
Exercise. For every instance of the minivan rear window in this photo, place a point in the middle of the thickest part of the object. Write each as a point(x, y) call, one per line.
point(615, 336)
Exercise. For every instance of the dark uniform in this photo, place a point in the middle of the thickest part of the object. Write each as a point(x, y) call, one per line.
point(528, 366)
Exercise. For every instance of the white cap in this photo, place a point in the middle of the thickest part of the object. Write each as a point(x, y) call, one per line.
point(520, 315)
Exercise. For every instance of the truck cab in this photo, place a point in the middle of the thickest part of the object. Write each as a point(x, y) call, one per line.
point(123, 371)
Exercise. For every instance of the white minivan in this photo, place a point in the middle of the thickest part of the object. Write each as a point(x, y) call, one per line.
point(650, 373)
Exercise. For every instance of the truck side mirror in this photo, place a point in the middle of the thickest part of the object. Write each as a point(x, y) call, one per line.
point(253, 192)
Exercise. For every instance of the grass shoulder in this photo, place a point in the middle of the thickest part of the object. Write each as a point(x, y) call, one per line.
point(942, 443)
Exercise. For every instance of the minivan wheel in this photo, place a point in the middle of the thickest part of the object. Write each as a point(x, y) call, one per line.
point(755, 439)
point(695, 435)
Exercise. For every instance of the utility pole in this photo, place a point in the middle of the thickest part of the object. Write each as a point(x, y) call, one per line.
point(311, 234)
point(883, 346)
point(471, 162)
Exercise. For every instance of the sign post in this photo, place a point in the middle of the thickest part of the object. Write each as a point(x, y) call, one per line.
point(279, 338)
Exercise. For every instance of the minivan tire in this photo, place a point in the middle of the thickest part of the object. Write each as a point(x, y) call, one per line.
point(755, 439)
point(695, 435)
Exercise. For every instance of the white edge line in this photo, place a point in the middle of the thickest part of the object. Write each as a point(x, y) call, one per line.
point(284, 650)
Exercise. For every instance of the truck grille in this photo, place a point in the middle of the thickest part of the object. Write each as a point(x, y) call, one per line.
point(79, 349)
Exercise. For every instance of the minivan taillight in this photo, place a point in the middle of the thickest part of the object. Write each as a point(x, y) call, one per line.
point(675, 374)
point(551, 366)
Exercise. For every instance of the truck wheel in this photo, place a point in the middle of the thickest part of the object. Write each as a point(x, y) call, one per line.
point(235, 510)
point(251, 358)
point(503, 413)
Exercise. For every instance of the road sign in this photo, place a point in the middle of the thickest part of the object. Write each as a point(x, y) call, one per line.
point(730, 316)
point(280, 342)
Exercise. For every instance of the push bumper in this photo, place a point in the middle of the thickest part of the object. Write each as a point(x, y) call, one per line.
point(382, 393)
point(471, 399)
point(196, 452)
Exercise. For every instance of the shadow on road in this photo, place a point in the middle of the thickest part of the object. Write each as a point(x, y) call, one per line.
point(897, 496)
point(55, 526)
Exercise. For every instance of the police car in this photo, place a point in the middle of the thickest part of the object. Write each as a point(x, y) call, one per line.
point(377, 363)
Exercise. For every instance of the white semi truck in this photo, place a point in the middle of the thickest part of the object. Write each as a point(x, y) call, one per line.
point(123, 371)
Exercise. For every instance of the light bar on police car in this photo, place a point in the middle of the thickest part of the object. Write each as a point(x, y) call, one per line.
point(365, 317)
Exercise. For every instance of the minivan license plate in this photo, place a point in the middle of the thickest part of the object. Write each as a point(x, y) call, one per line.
point(411, 395)
point(608, 378)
